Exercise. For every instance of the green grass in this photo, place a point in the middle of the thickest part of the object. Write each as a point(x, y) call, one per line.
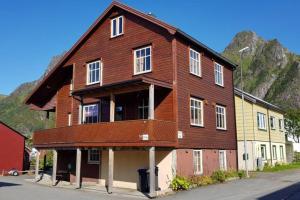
point(282, 167)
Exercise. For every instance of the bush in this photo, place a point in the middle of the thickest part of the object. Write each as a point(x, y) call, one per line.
point(241, 174)
point(201, 180)
point(219, 176)
point(231, 174)
point(180, 183)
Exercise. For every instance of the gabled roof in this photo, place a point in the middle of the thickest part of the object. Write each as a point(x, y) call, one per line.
point(171, 29)
point(253, 99)
point(13, 130)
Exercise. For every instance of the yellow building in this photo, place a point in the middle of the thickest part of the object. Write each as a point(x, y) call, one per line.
point(264, 131)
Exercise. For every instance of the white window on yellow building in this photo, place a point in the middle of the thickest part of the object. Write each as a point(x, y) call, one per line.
point(261, 121)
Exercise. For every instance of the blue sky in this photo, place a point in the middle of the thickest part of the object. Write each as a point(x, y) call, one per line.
point(33, 31)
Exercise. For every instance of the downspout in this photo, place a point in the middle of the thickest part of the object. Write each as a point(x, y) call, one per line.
point(269, 131)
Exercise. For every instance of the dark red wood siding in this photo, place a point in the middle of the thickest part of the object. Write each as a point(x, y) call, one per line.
point(11, 149)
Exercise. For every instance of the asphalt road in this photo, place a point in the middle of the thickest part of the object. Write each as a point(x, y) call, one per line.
point(265, 186)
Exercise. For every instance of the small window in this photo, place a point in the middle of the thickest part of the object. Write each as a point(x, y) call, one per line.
point(280, 124)
point(274, 152)
point(117, 26)
point(143, 108)
point(195, 63)
point(196, 109)
point(263, 151)
point(222, 160)
point(261, 121)
point(221, 117)
point(142, 60)
point(94, 73)
point(197, 159)
point(272, 122)
point(90, 114)
point(219, 77)
point(69, 119)
point(93, 156)
point(281, 153)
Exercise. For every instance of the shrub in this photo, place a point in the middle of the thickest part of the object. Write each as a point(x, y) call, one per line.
point(201, 180)
point(231, 174)
point(219, 176)
point(241, 174)
point(180, 183)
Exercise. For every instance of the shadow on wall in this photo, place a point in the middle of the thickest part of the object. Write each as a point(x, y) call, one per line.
point(5, 184)
point(290, 192)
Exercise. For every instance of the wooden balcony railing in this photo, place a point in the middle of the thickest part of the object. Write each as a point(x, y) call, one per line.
point(120, 133)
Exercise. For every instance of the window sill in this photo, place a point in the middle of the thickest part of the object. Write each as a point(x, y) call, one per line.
point(116, 36)
point(140, 73)
point(196, 75)
point(261, 129)
point(221, 129)
point(91, 84)
point(222, 86)
point(93, 163)
point(197, 126)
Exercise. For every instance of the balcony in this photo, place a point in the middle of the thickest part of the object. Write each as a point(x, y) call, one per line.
point(131, 133)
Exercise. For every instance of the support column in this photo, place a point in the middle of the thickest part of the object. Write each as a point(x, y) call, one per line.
point(152, 172)
point(99, 169)
point(110, 170)
point(54, 170)
point(78, 167)
point(37, 163)
point(151, 102)
point(112, 108)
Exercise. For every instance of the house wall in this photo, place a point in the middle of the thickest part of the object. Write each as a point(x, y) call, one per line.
point(210, 161)
point(204, 88)
point(126, 164)
point(11, 149)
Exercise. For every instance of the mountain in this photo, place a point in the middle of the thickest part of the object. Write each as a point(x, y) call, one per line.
point(16, 114)
point(270, 71)
point(2, 96)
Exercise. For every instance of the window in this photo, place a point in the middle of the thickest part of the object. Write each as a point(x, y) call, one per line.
point(93, 156)
point(195, 67)
point(219, 79)
point(263, 151)
point(197, 159)
point(281, 153)
point(117, 26)
point(69, 119)
point(222, 160)
point(119, 113)
point(90, 113)
point(143, 108)
point(261, 121)
point(196, 107)
point(221, 117)
point(280, 124)
point(142, 60)
point(94, 73)
point(272, 122)
point(274, 152)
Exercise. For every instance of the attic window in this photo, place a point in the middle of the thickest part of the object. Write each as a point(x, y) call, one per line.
point(116, 26)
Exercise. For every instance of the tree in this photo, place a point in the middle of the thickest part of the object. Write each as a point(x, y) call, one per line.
point(292, 124)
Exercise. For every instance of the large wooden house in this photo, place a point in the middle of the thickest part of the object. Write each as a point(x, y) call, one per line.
point(133, 93)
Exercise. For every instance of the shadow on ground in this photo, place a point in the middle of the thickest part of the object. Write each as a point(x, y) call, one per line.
point(6, 184)
point(291, 192)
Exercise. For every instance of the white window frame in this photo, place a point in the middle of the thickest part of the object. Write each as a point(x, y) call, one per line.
point(281, 152)
point(280, 124)
point(69, 119)
point(193, 61)
point(193, 121)
point(274, 147)
point(196, 160)
point(118, 33)
point(221, 72)
point(273, 121)
point(88, 81)
point(261, 121)
point(224, 117)
point(264, 147)
point(84, 113)
point(142, 58)
point(90, 153)
point(225, 160)
point(143, 107)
